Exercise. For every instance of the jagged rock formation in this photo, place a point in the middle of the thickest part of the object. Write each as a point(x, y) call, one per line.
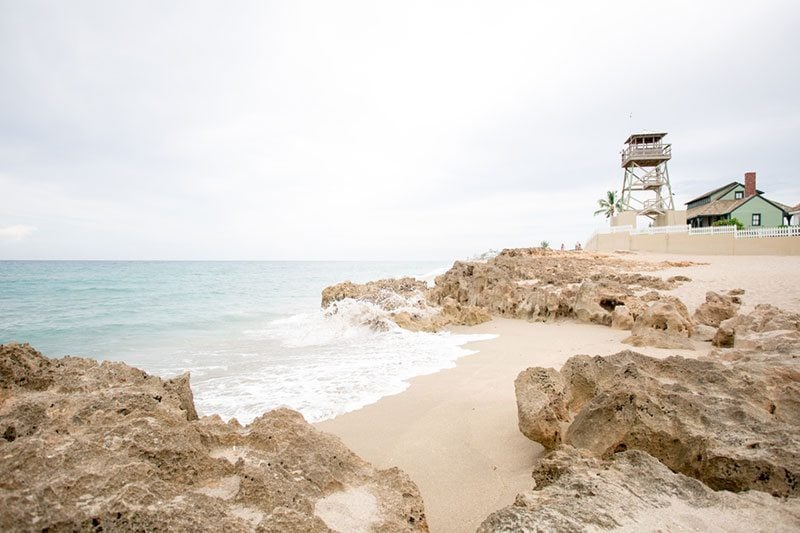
point(766, 328)
point(536, 284)
point(527, 283)
point(664, 324)
point(734, 426)
point(621, 318)
point(717, 308)
point(92, 446)
point(389, 293)
point(405, 302)
point(633, 491)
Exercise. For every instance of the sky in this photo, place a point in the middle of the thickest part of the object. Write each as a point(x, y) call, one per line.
point(372, 130)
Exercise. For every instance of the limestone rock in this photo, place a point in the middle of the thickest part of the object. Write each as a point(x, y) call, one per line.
point(732, 425)
point(704, 333)
point(539, 285)
point(665, 324)
point(89, 446)
point(765, 328)
point(541, 405)
point(524, 283)
point(465, 315)
point(716, 308)
point(724, 336)
point(390, 293)
point(595, 302)
point(621, 318)
point(633, 491)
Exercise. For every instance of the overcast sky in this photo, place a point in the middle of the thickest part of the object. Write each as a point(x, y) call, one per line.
point(372, 130)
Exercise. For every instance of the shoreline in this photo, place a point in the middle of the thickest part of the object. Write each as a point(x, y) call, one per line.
point(455, 431)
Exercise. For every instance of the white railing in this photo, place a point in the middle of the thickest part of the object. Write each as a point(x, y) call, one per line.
point(786, 231)
point(713, 230)
point(659, 151)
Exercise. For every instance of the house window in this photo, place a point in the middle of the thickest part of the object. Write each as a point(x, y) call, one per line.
point(756, 221)
point(738, 195)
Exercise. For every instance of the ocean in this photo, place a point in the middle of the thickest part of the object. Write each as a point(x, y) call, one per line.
point(252, 334)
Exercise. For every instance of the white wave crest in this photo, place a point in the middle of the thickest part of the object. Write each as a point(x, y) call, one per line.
point(346, 319)
point(330, 362)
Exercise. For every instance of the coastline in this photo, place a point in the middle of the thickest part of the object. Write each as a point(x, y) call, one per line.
point(455, 432)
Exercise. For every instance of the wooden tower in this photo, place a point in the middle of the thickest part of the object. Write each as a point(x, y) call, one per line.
point(645, 187)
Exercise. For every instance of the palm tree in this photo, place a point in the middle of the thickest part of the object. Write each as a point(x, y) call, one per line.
point(610, 205)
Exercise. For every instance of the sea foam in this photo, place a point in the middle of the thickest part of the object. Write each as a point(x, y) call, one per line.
point(328, 363)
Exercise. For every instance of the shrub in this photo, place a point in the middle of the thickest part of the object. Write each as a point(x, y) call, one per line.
point(545, 245)
point(729, 222)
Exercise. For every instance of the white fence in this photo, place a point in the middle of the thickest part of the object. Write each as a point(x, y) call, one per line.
point(786, 231)
point(713, 230)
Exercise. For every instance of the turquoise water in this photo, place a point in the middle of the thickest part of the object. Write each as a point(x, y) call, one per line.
point(251, 333)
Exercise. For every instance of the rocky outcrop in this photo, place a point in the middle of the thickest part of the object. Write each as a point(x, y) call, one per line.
point(535, 284)
point(595, 301)
point(105, 446)
point(389, 293)
point(766, 328)
point(526, 283)
point(664, 324)
point(394, 301)
point(703, 333)
point(633, 491)
point(733, 426)
point(717, 308)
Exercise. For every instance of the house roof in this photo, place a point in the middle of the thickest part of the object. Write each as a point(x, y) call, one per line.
point(717, 207)
point(723, 207)
point(725, 188)
point(795, 209)
point(709, 193)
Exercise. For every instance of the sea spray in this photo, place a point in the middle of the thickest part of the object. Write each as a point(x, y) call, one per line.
point(338, 359)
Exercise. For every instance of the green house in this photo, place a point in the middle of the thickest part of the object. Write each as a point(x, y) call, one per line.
point(734, 200)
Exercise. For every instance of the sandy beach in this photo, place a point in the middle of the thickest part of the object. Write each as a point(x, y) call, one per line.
point(455, 432)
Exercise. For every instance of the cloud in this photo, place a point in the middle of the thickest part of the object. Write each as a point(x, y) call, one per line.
point(16, 233)
point(368, 130)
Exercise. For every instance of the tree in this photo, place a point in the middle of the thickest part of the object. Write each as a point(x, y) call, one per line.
point(610, 205)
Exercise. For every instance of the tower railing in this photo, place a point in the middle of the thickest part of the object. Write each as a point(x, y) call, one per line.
point(662, 151)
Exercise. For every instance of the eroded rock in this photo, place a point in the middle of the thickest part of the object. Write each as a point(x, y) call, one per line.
point(621, 318)
point(525, 283)
point(733, 425)
point(717, 308)
point(766, 328)
point(384, 292)
point(89, 445)
point(632, 491)
point(664, 324)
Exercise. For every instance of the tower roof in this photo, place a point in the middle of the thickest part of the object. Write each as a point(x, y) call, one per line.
point(655, 136)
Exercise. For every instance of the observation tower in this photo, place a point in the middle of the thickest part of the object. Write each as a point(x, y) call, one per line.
point(645, 188)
